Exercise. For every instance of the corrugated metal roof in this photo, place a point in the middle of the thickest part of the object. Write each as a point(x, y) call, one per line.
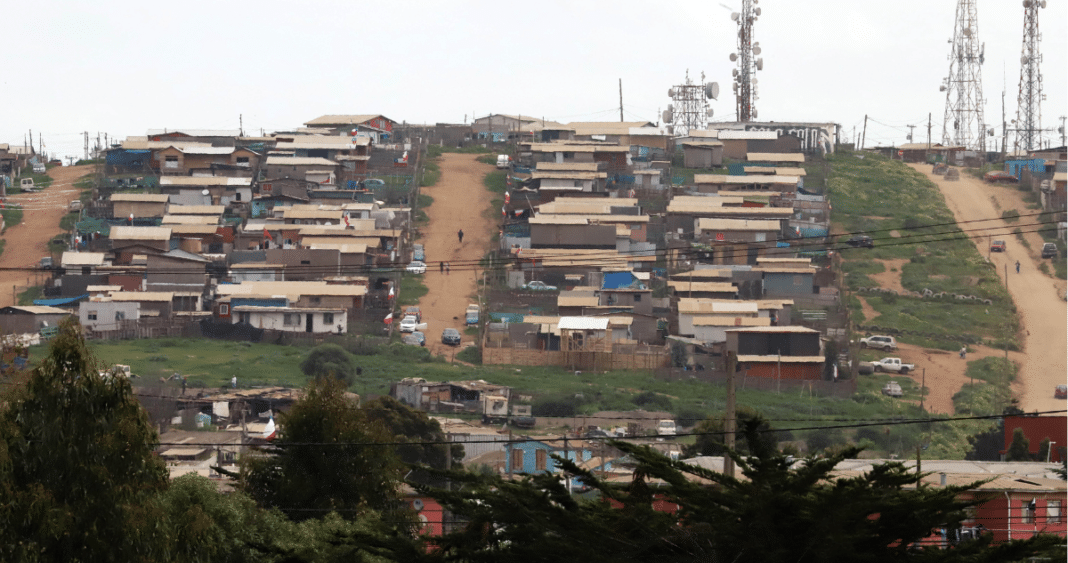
point(742, 180)
point(775, 157)
point(139, 233)
point(606, 127)
point(269, 288)
point(583, 323)
point(138, 296)
point(196, 132)
point(82, 259)
point(787, 171)
point(140, 198)
point(207, 150)
point(295, 213)
point(299, 161)
point(189, 220)
point(339, 120)
point(702, 286)
point(779, 329)
point(39, 309)
point(782, 359)
point(574, 166)
point(693, 306)
point(203, 181)
point(584, 299)
point(350, 248)
point(559, 147)
point(709, 224)
point(729, 320)
point(208, 210)
point(732, 135)
point(705, 143)
point(567, 175)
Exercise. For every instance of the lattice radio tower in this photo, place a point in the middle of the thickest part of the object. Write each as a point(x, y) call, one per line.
point(1029, 108)
point(745, 82)
point(689, 105)
point(963, 124)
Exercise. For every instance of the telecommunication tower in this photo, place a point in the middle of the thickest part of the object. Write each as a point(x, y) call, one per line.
point(1029, 100)
point(688, 110)
point(745, 82)
point(963, 124)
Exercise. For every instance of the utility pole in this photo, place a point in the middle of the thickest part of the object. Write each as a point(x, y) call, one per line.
point(621, 100)
point(729, 423)
point(85, 135)
point(928, 130)
point(864, 135)
point(241, 124)
point(923, 388)
point(911, 127)
point(1063, 130)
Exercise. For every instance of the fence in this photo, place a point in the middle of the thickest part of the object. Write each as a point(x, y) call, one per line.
point(131, 329)
point(575, 360)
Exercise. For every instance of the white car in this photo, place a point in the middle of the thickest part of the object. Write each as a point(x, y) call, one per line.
point(417, 267)
point(409, 323)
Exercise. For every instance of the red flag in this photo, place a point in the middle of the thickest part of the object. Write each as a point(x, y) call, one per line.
point(346, 219)
point(267, 235)
point(388, 319)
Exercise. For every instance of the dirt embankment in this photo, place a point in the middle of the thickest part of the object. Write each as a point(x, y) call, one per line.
point(460, 201)
point(1043, 314)
point(27, 242)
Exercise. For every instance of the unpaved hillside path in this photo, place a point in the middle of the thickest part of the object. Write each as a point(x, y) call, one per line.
point(27, 242)
point(1043, 314)
point(460, 202)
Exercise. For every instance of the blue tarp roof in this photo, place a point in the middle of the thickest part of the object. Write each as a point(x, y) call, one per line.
point(61, 301)
point(617, 280)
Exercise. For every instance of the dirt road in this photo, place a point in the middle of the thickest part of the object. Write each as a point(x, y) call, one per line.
point(27, 242)
point(1043, 313)
point(460, 199)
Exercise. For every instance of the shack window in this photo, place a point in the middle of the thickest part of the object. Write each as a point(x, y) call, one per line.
point(517, 460)
point(91, 315)
point(291, 319)
point(170, 162)
point(224, 310)
point(328, 318)
point(539, 460)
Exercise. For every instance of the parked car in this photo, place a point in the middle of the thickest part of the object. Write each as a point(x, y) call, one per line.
point(538, 286)
point(416, 338)
point(523, 421)
point(665, 427)
point(995, 176)
point(885, 343)
point(861, 241)
point(997, 246)
point(409, 323)
point(1049, 250)
point(1060, 392)
point(418, 254)
point(26, 185)
point(892, 389)
point(417, 267)
point(952, 174)
point(503, 161)
point(75, 205)
point(894, 365)
point(472, 314)
point(372, 183)
point(413, 310)
point(450, 336)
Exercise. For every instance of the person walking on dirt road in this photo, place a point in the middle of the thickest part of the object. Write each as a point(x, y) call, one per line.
point(441, 267)
point(963, 352)
point(447, 268)
point(460, 235)
point(1017, 266)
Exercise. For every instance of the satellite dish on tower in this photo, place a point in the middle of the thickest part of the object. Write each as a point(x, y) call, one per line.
point(753, 80)
point(666, 116)
point(734, 72)
point(734, 16)
point(757, 11)
point(1023, 60)
point(760, 64)
point(754, 114)
point(712, 90)
point(671, 108)
point(709, 112)
point(671, 92)
point(756, 49)
point(734, 57)
point(417, 504)
point(967, 32)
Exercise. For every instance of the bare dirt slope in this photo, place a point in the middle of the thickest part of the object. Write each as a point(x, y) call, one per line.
point(1043, 313)
point(946, 371)
point(27, 242)
point(460, 202)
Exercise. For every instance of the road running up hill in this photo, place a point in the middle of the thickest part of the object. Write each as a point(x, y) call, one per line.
point(1043, 314)
point(27, 242)
point(460, 202)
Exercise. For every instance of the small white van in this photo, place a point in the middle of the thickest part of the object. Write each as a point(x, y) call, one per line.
point(503, 161)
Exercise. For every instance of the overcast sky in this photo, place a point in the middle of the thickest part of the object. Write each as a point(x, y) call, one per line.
point(125, 67)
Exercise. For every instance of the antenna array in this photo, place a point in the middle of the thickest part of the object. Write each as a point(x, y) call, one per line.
point(1029, 111)
point(745, 82)
point(963, 123)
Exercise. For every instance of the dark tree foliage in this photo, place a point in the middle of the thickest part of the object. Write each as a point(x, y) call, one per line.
point(329, 360)
point(418, 436)
point(711, 437)
point(1020, 448)
point(327, 458)
point(76, 463)
point(777, 510)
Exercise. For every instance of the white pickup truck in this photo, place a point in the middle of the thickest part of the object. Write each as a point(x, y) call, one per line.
point(893, 365)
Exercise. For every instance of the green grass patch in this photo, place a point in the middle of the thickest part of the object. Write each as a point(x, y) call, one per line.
point(12, 216)
point(39, 180)
point(3, 243)
point(1010, 216)
point(490, 159)
point(67, 221)
point(431, 174)
point(993, 370)
point(424, 201)
point(27, 296)
point(496, 181)
point(412, 289)
point(1020, 236)
point(90, 161)
point(211, 364)
point(876, 195)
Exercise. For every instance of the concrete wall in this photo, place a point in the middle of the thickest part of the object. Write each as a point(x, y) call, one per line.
point(275, 320)
point(573, 236)
point(105, 312)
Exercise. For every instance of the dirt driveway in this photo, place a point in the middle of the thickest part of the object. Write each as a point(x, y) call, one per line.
point(1043, 313)
point(460, 202)
point(27, 242)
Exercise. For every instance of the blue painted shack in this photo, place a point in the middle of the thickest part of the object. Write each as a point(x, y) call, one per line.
point(1035, 165)
point(532, 455)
